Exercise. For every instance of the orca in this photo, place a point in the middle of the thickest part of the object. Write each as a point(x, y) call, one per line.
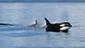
point(57, 27)
point(36, 24)
point(7, 24)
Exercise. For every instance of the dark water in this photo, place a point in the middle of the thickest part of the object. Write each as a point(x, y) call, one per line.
point(42, 1)
point(27, 37)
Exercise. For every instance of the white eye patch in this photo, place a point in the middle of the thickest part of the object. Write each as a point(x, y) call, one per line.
point(64, 28)
point(62, 25)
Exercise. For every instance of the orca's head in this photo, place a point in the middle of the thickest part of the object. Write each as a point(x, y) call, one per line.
point(65, 26)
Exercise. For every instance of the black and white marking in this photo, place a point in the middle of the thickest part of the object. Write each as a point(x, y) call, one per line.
point(58, 27)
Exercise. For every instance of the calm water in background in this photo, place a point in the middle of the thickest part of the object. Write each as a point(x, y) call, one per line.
point(26, 13)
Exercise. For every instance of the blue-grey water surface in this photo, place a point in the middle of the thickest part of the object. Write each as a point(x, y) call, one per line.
point(26, 13)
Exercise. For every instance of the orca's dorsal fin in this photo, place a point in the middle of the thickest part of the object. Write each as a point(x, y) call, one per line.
point(47, 22)
point(36, 22)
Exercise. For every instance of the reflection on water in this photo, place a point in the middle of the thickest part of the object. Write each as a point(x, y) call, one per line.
point(26, 37)
point(32, 39)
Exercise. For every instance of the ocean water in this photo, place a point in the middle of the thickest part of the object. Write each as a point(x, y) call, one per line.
point(25, 14)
